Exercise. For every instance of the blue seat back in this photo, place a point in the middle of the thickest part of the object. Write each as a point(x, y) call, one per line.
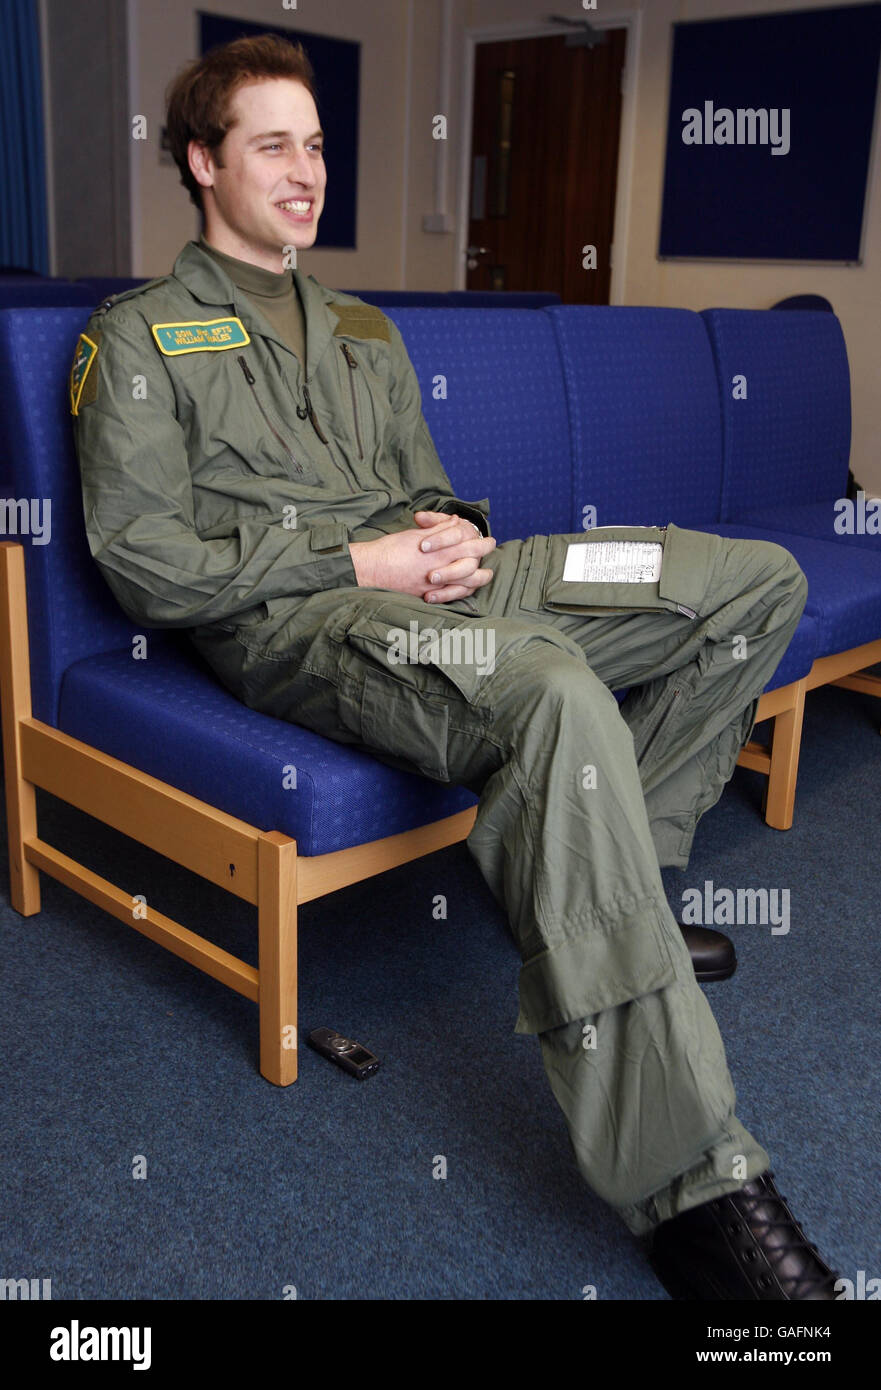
point(101, 287)
point(493, 400)
point(644, 410)
point(788, 442)
point(502, 299)
point(71, 611)
point(24, 294)
point(403, 298)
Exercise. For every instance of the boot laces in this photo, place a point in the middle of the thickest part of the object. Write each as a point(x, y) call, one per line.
point(815, 1274)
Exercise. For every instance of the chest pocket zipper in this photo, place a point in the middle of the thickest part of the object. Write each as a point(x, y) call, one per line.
point(352, 363)
point(252, 383)
point(309, 413)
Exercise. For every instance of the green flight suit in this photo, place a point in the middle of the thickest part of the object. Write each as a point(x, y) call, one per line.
point(220, 494)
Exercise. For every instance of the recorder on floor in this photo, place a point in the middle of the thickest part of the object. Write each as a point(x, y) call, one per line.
point(349, 1055)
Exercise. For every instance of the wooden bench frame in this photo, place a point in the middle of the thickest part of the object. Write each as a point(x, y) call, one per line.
point(261, 867)
point(779, 761)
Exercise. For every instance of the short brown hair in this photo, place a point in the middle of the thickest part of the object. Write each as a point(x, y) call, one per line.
point(198, 98)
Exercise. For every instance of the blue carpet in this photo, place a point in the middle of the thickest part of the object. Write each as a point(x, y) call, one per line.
point(113, 1048)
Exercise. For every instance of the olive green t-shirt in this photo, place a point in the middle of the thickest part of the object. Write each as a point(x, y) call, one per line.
point(274, 295)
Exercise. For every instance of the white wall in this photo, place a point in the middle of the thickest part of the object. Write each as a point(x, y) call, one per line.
point(397, 168)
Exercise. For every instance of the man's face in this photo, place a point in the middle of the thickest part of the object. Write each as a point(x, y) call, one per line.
point(273, 166)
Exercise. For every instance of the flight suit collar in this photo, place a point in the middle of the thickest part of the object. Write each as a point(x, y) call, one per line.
point(206, 281)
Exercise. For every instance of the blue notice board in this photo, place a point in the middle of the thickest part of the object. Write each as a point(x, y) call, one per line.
point(337, 66)
point(769, 135)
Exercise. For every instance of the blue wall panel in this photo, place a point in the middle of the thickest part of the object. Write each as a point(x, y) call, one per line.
point(743, 200)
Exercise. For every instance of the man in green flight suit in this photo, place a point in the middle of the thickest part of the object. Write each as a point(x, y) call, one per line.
point(270, 486)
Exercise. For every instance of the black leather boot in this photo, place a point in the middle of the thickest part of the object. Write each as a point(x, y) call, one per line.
point(745, 1245)
point(712, 953)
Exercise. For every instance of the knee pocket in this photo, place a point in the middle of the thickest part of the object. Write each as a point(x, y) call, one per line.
point(400, 723)
point(411, 681)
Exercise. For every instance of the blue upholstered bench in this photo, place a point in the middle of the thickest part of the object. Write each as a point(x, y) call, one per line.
point(29, 292)
point(551, 411)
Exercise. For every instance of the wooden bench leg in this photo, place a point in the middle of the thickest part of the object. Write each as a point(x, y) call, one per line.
point(779, 762)
point(277, 927)
point(15, 693)
point(21, 819)
point(785, 748)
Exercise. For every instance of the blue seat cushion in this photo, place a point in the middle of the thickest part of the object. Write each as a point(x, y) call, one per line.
point(169, 716)
point(844, 585)
point(799, 656)
point(815, 519)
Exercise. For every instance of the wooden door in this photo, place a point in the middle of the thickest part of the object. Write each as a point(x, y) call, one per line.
point(544, 160)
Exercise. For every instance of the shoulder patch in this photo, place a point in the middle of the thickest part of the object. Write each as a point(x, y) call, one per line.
point(212, 335)
point(360, 321)
point(83, 389)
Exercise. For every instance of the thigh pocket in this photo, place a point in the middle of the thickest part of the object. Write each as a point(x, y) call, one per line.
point(403, 724)
point(679, 588)
point(419, 674)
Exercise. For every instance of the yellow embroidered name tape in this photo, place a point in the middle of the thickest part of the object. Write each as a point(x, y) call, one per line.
point(216, 335)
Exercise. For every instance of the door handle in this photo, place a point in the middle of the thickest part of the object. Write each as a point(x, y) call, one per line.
point(472, 252)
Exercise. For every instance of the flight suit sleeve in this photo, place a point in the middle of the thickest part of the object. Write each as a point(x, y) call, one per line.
point(138, 502)
point(422, 472)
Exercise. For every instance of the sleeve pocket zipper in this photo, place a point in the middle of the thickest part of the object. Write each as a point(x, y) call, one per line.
point(252, 383)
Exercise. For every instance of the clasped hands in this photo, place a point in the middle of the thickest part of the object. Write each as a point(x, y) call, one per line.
point(439, 561)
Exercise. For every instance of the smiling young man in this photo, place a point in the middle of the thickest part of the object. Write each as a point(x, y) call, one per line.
point(272, 489)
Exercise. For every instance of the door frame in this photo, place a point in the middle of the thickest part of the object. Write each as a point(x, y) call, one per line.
point(631, 20)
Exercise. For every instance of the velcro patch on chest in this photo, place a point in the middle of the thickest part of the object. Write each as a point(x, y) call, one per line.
point(214, 335)
point(360, 321)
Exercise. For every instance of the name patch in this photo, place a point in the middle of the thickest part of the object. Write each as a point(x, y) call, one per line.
point(215, 335)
